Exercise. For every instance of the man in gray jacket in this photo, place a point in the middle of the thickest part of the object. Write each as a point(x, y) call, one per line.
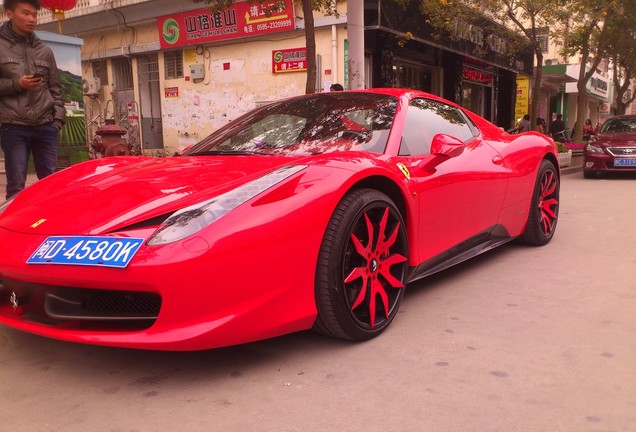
point(31, 100)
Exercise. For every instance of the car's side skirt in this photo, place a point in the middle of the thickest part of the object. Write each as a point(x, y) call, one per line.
point(482, 242)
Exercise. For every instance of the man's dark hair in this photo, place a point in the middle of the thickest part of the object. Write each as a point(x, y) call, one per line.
point(12, 4)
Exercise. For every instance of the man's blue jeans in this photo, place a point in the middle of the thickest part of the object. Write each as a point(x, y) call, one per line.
point(17, 142)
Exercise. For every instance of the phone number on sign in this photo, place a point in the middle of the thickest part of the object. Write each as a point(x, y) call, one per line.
point(274, 25)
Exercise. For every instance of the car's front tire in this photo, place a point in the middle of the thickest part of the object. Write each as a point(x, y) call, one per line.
point(362, 267)
point(544, 209)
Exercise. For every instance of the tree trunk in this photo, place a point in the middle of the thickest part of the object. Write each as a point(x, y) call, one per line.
point(581, 109)
point(536, 86)
point(310, 38)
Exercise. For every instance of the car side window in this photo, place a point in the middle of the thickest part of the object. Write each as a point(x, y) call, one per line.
point(426, 118)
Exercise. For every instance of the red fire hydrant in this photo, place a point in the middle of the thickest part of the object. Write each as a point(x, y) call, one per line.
point(110, 141)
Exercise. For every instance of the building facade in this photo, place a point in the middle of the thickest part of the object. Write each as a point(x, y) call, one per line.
point(173, 72)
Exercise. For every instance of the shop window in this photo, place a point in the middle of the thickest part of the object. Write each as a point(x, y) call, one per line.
point(122, 74)
point(173, 64)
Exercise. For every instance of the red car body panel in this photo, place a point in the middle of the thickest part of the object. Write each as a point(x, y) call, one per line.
point(250, 274)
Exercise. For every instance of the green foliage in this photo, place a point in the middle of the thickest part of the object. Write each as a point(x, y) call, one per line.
point(74, 132)
point(71, 87)
point(76, 154)
point(561, 148)
point(621, 48)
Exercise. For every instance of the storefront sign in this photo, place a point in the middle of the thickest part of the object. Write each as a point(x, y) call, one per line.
point(476, 76)
point(604, 108)
point(289, 60)
point(523, 97)
point(240, 20)
point(171, 92)
point(600, 85)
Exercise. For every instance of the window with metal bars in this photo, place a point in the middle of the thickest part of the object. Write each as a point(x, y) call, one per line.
point(100, 71)
point(173, 64)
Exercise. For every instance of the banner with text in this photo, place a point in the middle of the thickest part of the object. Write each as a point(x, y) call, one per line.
point(240, 20)
point(523, 97)
point(289, 60)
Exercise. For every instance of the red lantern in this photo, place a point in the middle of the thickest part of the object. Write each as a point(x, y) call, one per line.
point(58, 6)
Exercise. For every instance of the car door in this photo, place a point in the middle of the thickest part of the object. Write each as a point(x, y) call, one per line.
point(459, 197)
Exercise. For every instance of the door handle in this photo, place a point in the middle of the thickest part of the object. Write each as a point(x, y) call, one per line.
point(497, 160)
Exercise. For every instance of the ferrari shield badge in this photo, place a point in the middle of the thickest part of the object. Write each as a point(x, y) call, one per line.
point(404, 170)
point(38, 223)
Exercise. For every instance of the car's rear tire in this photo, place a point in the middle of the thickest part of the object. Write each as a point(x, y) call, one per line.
point(362, 267)
point(544, 209)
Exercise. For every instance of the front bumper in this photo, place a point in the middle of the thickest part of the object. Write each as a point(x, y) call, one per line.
point(168, 298)
point(602, 162)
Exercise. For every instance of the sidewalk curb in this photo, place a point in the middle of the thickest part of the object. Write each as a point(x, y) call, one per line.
point(571, 170)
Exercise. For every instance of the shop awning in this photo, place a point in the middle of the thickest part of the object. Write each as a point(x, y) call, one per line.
point(554, 76)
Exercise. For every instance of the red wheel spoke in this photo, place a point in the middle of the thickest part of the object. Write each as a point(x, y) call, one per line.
point(548, 203)
point(362, 293)
point(355, 274)
point(363, 251)
point(377, 288)
point(369, 231)
point(546, 224)
point(548, 185)
point(375, 273)
point(386, 267)
point(548, 207)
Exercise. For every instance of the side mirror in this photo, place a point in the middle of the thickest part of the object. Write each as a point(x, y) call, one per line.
point(443, 147)
point(447, 145)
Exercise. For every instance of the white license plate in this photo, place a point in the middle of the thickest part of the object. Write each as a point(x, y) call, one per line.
point(625, 162)
point(86, 251)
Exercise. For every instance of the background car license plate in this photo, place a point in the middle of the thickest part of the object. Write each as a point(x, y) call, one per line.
point(88, 251)
point(625, 162)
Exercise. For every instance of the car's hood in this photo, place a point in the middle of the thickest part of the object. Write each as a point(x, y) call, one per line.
point(616, 139)
point(104, 195)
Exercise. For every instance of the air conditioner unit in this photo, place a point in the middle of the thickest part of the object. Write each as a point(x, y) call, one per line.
point(91, 86)
point(552, 61)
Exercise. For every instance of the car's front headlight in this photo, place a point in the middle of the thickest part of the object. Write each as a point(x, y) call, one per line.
point(192, 219)
point(591, 148)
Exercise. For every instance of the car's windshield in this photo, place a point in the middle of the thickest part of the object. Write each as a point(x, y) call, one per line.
point(320, 123)
point(619, 125)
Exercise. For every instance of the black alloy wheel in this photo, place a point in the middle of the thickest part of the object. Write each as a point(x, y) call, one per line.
point(362, 267)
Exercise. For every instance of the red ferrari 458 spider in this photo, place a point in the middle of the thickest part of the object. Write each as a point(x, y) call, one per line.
point(311, 212)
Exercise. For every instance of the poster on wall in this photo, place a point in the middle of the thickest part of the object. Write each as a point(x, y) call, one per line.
point(240, 20)
point(289, 60)
point(69, 64)
point(523, 97)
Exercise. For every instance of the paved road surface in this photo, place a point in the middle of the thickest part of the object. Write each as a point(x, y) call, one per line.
point(520, 339)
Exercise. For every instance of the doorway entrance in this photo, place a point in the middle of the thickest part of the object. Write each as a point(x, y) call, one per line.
point(150, 102)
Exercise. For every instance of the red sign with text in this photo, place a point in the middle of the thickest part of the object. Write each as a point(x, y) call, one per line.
point(239, 20)
point(289, 60)
point(477, 76)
